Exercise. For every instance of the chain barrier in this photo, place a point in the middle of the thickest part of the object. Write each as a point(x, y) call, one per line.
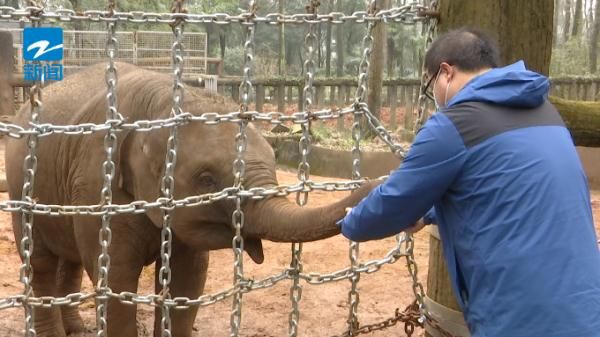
point(412, 316)
point(168, 181)
point(29, 171)
point(239, 171)
point(422, 100)
point(407, 14)
point(108, 173)
point(310, 68)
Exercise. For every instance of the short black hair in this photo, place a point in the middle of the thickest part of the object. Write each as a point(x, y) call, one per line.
point(467, 48)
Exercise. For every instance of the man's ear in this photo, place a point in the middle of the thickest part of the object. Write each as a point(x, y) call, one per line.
point(448, 69)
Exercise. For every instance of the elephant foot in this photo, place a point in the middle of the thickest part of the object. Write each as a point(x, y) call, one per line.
point(72, 321)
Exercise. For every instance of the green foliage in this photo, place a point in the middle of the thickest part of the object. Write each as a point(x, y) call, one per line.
point(570, 58)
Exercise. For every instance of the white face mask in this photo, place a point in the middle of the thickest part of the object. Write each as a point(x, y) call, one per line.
point(439, 106)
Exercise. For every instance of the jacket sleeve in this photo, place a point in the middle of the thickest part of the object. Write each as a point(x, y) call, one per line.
point(433, 162)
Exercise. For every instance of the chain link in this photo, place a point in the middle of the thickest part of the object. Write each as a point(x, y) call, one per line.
point(168, 180)
point(408, 14)
point(239, 172)
point(27, 219)
point(422, 100)
point(310, 69)
point(108, 173)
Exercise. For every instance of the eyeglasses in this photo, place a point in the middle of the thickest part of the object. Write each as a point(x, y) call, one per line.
point(427, 90)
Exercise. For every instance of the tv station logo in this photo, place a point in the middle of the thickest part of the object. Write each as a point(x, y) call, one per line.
point(46, 45)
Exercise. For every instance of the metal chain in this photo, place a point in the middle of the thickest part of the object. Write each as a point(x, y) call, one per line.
point(209, 118)
point(313, 278)
point(168, 180)
point(27, 218)
point(353, 295)
point(239, 171)
point(141, 206)
point(431, 23)
point(108, 173)
point(408, 14)
point(310, 69)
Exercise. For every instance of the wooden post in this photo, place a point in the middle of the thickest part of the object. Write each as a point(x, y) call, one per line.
point(290, 95)
point(409, 118)
point(6, 71)
point(331, 96)
point(260, 97)
point(300, 98)
point(447, 310)
point(320, 96)
point(281, 98)
point(393, 97)
point(235, 93)
point(340, 103)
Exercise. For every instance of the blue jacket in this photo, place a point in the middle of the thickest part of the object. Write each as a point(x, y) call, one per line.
point(512, 204)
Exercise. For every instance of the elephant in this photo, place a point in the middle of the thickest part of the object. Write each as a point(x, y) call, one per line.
point(69, 172)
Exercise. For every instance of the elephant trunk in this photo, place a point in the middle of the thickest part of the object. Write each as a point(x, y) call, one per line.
point(280, 220)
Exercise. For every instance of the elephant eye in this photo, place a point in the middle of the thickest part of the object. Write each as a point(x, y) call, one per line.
point(206, 180)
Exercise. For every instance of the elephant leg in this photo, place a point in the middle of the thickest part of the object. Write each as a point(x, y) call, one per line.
point(47, 320)
point(188, 276)
point(68, 282)
point(125, 269)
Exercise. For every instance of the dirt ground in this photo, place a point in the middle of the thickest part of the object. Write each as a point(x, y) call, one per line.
point(323, 308)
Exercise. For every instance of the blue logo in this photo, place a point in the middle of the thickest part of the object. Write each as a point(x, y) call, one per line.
point(43, 44)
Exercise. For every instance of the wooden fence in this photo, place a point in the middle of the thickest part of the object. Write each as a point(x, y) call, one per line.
point(398, 95)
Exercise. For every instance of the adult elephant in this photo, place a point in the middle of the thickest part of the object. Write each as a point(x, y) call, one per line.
point(69, 173)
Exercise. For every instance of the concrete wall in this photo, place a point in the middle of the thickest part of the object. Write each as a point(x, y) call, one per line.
point(590, 158)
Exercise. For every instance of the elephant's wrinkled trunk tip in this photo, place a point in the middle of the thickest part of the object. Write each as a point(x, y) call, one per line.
point(278, 219)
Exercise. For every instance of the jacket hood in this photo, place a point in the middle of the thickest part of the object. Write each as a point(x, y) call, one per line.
point(512, 86)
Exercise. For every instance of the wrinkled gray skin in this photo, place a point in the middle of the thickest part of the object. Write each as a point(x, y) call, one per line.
point(69, 173)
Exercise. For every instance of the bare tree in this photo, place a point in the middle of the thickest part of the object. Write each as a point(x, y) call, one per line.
point(567, 21)
point(594, 39)
point(577, 18)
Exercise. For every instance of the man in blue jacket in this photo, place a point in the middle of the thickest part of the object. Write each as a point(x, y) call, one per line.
point(496, 168)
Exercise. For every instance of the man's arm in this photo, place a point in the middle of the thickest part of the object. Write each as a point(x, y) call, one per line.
point(433, 162)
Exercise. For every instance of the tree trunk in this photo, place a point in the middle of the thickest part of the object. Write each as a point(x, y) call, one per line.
point(557, 9)
point(582, 120)
point(339, 43)
point(523, 28)
point(6, 71)
point(524, 31)
point(567, 22)
point(594, 39)
point(281, 68)
point(377, 64)
point(577, 18)
point(328, 42)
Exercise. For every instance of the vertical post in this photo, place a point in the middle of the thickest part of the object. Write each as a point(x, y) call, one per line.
point(331, 95)
point(320, 99)
point(340, 103)
point(281, 98)
point(409, 116)
point(300, 98)
point(393, 98)
point(235, 93)
point(290, 95)
point(260, 97)
point(6, 70)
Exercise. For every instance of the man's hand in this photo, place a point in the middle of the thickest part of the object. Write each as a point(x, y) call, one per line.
point(416, 227)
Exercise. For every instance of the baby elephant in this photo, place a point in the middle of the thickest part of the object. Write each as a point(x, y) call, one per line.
point(69, 173)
